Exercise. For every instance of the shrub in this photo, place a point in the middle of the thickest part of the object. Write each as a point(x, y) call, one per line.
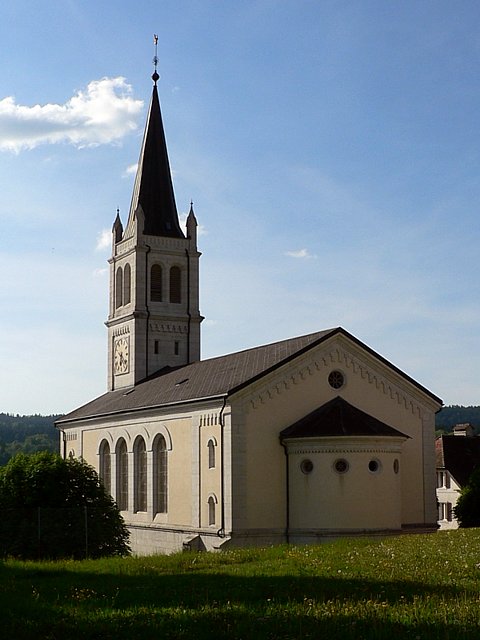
point(467, 510)
point(56, 508)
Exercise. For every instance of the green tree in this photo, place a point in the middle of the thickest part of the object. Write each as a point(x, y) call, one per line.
point(54, 508)
point(467, 510)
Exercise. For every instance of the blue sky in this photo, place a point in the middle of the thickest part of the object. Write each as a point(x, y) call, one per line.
point(331, 148)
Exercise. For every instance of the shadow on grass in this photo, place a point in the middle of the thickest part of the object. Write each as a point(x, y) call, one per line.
point(63, 604)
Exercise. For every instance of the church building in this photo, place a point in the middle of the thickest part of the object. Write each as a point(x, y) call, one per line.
point(299, 441)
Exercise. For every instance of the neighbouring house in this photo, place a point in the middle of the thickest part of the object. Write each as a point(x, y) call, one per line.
point(301, 440)
point(457, 456)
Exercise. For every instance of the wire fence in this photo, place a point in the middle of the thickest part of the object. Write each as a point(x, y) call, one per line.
point(52, 532)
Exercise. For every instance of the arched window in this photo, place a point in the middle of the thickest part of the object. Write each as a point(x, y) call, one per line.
point(175, 285)
point(127, 284)
point(160, 475)
point(140, 472)
point(211, 510)
point(119, 288)
point(156, 283)
point(211, 454)
point(105, 466)
point(122, 475)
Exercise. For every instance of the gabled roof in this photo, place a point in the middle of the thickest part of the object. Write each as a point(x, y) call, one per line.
point(339, 418)
point(153, 188)
point(459, 455)
point(216, 377)
point(203, 379)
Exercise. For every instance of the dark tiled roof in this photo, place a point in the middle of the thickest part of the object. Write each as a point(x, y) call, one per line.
point(338, 418)
point(153, 188)
point(203, 379)
point(459, 455)
point(217, 377)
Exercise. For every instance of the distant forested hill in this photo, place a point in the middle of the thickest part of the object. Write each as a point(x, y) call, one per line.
point(455, 414)
point(26, 433)
point(37, 433)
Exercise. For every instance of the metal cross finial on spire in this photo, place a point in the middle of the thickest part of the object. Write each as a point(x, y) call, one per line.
point(155, 75)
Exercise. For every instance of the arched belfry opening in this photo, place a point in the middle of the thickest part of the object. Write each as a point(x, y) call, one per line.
point(154, 319)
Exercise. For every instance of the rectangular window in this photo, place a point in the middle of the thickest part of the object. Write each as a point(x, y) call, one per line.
point(155, 347)
point(445, 511)
point(177, 348)
point(443, 480)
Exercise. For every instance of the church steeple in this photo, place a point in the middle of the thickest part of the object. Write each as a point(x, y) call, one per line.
point(154, 317)
point(153, 189)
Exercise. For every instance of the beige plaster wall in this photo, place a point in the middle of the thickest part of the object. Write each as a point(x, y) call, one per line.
point(179, 432)
point(288, 394)
point(210, 478)
point(357, 499)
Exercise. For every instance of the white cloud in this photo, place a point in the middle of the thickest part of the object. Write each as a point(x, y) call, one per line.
point(101, 114)
point(131, 170)
point(300, 253)
point(104, 240)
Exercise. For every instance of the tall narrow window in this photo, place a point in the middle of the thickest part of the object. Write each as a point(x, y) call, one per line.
point(122, 475)
point(211, 454)
point(160, 475)
point(211, 510)
point(175, 285)
point(127, 284)
point(156, 283)
point(105, 467)
point(119, 288)
point(140, 471)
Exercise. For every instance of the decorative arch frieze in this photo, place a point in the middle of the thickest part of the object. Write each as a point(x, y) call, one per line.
point(121, 331)
point(283, 382)
point(209, 419)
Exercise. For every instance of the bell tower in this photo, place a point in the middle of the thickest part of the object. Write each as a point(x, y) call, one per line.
point(154, 318)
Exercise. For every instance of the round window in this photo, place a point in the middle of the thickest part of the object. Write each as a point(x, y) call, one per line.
point(336, 379)
point(306, 466)
point(341, 465)
point(396, 466)
point(374, 466)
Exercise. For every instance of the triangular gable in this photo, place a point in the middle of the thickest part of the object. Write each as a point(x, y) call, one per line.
point(219, 377)
point(338, 418)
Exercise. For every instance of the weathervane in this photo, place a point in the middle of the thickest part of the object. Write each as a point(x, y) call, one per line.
point(155, 75)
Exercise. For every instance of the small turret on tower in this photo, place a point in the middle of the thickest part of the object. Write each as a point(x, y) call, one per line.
point(192, 226)
point(117, 229)
point(154, 318)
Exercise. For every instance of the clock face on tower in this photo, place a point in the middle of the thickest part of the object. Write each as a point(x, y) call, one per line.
point(121, 355)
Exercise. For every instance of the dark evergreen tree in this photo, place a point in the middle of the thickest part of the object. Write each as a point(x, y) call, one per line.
point(467, 510)
point(56, 508)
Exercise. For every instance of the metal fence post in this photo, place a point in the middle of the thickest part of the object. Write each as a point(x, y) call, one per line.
point(39, 529)
point(86, 530)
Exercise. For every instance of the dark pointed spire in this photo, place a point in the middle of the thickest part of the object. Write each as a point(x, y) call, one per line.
point(153, 189)
point(192, 224)
point(117, 228)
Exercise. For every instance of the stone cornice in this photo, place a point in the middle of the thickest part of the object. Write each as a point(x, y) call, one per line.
point(345, 444)
point(349, 358)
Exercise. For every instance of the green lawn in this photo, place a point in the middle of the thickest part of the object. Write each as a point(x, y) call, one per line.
point(405, 587)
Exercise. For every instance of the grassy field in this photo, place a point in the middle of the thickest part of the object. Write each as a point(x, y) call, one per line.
point(407, 587)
